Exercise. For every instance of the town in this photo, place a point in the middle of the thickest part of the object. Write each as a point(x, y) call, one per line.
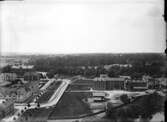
point(31, 95)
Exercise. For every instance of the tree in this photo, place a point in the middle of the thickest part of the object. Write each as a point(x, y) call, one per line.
point(28, 105)
point(14, 118)
point(18, 114)
point(50, 74)
point(38, 105)
point(7, 69)
point(22, 111)
point(125, 99)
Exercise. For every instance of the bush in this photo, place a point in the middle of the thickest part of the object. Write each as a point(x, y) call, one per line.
point(125, 99)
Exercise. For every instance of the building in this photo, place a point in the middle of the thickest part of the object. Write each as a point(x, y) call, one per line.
point(22, 66)
point(137, 85)
point(18, 94)
point(31, 76)
point(161, 82)
point(126, 77)
point(83, 84)
point(6, 108)
point(99, 94)
point(42, 75)
point(8, 76)
point(107, 67)
point(100, 85)
point(107, 83)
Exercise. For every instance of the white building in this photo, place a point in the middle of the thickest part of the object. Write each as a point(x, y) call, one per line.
point(8, 77)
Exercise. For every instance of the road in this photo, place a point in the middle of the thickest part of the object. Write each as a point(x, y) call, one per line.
point(47, 84)
point(52, 101)
point(57, 95)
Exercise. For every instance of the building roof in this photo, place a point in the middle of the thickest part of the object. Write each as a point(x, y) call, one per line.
point(109, 79)
point(83, 82)
point(23, 66)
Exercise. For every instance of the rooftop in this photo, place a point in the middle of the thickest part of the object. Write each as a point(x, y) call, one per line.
point(109, 79)
point(23, 66)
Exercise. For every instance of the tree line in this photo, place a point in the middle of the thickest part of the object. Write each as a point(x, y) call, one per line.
point(93, 64)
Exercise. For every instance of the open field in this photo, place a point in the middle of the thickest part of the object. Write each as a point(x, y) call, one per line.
point(71, 105)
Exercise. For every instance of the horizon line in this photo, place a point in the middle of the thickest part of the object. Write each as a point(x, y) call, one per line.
point(37, 53)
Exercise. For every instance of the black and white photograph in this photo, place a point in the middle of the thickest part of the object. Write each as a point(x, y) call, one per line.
point(83, 61)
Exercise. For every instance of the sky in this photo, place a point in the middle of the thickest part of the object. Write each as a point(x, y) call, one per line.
point(82, 26)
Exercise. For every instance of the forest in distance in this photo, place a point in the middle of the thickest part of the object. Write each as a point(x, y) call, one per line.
point(90, 65)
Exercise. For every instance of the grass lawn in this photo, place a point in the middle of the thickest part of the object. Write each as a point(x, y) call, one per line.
point(70, 105)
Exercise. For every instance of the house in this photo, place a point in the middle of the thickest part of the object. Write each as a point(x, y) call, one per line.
point(6, 108)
